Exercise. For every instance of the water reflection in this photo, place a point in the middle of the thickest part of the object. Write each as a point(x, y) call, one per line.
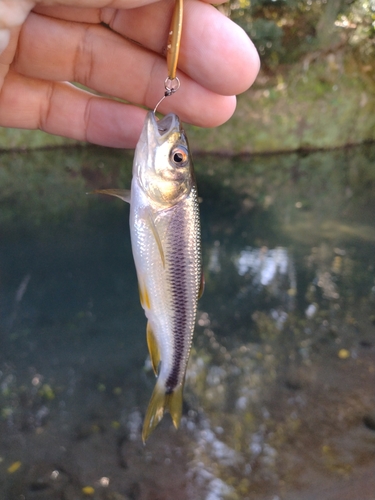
point(265, 264)
point(279, 392)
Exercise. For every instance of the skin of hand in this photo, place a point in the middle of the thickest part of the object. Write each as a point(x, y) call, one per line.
point(117, 49)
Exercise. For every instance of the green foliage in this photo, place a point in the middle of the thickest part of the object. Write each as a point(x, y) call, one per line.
point(286, 30)
point(268, 38)
point(328, 105)
point(12, 138)
point(359, 23)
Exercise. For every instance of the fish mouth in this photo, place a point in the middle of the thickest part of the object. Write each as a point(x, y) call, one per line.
point(164, 127)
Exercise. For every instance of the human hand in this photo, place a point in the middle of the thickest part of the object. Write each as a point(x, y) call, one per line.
point(116, 48)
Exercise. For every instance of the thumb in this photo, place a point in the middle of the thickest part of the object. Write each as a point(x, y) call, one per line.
point(12, 14)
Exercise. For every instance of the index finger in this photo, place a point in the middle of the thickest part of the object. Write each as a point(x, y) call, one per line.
point(215, 52)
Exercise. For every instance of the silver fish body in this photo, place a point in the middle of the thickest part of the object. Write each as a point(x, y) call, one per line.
point(165, 235)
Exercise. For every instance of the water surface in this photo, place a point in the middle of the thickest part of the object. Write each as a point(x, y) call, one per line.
point(279, 400)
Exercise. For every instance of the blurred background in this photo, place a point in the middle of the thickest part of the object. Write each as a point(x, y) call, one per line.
point(279, 399)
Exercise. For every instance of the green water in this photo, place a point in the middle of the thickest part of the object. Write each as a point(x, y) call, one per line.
point(279, 400)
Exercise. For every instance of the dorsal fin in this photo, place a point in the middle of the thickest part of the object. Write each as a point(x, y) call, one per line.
point(201, 286)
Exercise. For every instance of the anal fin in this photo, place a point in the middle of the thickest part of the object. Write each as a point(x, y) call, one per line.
point(153, 348)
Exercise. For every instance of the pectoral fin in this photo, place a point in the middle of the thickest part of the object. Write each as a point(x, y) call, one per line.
point(123, 194)
point(155, 233)
point(153, 348)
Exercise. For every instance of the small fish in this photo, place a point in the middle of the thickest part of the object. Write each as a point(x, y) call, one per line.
point(165, 235)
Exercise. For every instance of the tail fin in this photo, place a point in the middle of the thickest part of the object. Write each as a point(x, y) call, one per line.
point(159, 402)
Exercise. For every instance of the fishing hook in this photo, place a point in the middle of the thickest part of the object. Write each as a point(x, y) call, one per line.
point(171, 86)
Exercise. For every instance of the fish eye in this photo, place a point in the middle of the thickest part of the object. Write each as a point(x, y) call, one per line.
point(179, 156)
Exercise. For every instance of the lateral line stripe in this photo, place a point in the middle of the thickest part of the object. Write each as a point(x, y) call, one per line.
point(179, 298)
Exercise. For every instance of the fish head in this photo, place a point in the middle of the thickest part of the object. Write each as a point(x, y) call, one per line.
point(162, 162)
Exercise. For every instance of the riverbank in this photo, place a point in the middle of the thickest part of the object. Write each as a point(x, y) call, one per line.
point(322, 104)
point(328, 105)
